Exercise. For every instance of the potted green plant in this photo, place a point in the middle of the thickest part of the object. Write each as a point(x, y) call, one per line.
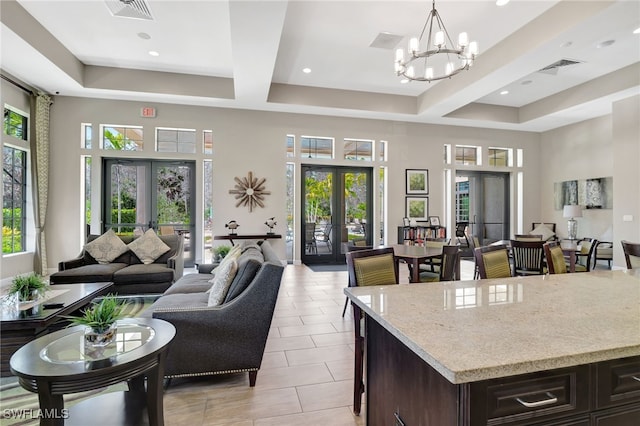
point(28, 287)
point(220, 252)
point(100, 320)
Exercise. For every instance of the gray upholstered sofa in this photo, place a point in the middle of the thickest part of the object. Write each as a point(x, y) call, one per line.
point(128, 273)
point(230, 337)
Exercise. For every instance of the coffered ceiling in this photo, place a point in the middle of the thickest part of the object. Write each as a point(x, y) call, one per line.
point(251, 55)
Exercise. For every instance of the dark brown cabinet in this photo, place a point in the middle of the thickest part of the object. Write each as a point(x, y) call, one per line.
point(403, 389)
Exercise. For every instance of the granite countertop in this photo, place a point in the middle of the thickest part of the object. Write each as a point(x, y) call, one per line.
point(476, 330)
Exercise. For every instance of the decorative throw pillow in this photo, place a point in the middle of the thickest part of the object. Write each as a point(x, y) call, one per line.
point(544, 231)
point(233, 254)
point(149, 247)
point(106, 247)
point(221, 283)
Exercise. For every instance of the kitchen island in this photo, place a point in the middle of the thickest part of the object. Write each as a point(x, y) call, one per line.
point(553, 350)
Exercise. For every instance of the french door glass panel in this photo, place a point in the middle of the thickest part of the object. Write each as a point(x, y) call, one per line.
point(143, 194)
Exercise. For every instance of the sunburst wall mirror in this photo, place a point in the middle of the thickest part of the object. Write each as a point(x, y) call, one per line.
point(249, 191)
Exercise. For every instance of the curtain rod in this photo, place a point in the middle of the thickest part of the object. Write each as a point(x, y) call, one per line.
point(15, 83)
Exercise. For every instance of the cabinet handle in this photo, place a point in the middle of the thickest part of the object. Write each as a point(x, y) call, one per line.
point(636, 378)
point(552, 400)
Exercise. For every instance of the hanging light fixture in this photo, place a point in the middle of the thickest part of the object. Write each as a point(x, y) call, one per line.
point(441, 58)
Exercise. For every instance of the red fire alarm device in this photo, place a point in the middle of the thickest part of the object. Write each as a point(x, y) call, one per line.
point(148, 112)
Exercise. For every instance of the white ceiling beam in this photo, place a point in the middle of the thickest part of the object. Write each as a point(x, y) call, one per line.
point(256, 27)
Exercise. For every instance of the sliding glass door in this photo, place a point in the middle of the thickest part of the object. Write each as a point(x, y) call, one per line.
point(143, 194)
point(337, 208)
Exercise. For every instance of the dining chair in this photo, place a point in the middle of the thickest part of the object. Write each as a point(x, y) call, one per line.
point(527, 237)
point(556, 263)
point(433, 264)
point(528, 257)
point(367, 267)
point(325, 235)
point(355, 245)
point(493, 261)
point(450, 259)
point(310, 244)
point(631, 254)
point(461, 232)
point(585, 259)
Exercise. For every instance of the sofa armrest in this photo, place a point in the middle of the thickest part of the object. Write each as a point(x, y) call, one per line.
point(176, 262)
point(206, 268)
point(70, 264)
point(229, 337)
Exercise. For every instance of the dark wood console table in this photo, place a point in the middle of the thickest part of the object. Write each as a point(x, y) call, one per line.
point(232, 237)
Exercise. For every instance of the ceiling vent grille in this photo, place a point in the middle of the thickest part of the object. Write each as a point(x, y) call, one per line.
point(136, 9)
point(554, 67)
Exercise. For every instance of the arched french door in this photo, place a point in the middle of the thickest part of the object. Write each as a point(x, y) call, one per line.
point(143, 194)
point(336, 206)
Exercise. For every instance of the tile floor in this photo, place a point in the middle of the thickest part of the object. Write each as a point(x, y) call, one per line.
point(307, 371)
point(306, 376)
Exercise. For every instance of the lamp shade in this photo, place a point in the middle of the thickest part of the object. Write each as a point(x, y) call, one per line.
point(572, 211)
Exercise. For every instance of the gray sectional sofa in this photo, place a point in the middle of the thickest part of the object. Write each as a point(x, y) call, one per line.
point(127, 272)
point(230, 337)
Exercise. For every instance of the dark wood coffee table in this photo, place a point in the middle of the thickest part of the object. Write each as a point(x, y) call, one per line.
point(59, 363)
point(22, 326)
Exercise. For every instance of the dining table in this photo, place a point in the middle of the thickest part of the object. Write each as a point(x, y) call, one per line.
point(414, 255)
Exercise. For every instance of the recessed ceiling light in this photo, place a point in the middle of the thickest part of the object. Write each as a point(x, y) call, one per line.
point(501, 2)
point(144, 36)
point(153, 53)
point(605, 43)
point(306, 70)
point(404, 81)
point(504, 92)
point(637, 31)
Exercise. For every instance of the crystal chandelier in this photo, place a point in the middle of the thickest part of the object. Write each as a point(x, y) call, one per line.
point(439, 52)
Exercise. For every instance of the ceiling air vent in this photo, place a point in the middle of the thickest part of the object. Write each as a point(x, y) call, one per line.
point(554, 67)
point(136, 9)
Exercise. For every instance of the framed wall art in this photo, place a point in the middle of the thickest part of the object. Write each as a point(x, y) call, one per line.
point(417, 208)
point(417, 182)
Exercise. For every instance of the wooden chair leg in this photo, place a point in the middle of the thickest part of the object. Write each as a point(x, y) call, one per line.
point(346, 302)
point(252, 378)
point(358, 382)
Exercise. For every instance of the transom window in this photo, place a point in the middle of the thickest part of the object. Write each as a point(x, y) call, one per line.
point(176, 140)
point(123, 138)
point(87, 135)
point(14, 199)
point(361, 150)
point(290, 146)
point(207, 140)
point(312, 147)
point(499, 156)
point(15, 123)
point(467, 155)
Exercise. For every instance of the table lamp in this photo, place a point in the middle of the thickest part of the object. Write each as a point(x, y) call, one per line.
point(572, 212)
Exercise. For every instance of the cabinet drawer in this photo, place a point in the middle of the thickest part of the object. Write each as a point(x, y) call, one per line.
point(535, 398)
point(617, 382)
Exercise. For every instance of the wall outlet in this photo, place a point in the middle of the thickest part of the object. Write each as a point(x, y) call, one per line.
point(627, 218)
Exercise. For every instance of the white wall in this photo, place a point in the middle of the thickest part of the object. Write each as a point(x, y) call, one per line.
point(604, 146)
point(255, 141)
point(626, 180)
